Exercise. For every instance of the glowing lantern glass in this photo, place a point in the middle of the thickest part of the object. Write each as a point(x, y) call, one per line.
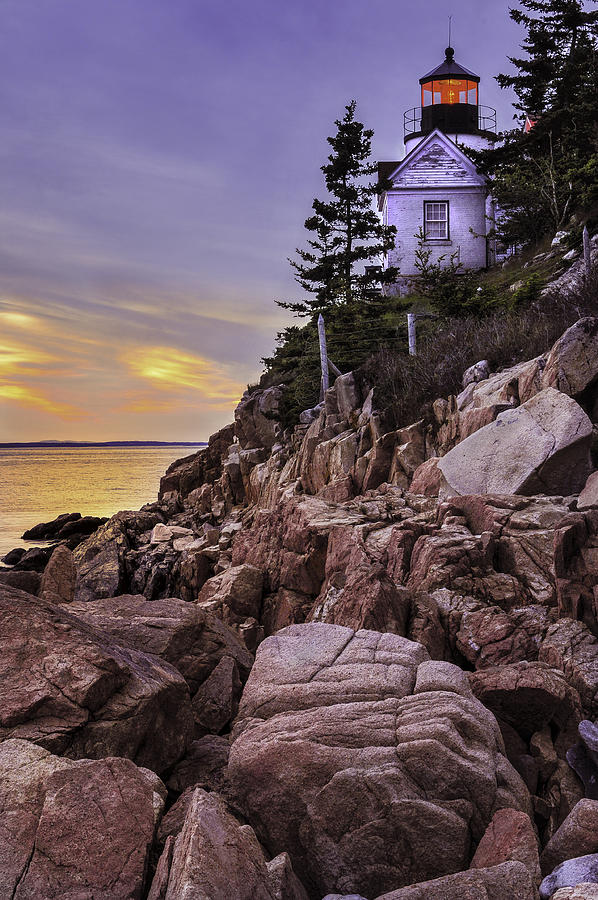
point(449, 91)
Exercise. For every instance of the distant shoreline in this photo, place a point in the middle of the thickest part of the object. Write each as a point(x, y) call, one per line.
point(58, 444)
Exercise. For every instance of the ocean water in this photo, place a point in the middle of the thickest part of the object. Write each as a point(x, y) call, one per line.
point(39, 483)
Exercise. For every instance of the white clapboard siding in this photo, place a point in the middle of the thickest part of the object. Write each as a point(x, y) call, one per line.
point(435, 166)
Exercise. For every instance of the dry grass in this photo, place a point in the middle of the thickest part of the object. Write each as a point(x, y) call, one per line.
point(407, 386)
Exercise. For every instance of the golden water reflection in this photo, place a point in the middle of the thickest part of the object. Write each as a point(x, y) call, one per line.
point(38, 484)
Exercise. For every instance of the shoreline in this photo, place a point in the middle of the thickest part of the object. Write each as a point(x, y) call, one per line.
point(42, 482)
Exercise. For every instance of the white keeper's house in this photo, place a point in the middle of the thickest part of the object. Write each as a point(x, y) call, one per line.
point(436, 189)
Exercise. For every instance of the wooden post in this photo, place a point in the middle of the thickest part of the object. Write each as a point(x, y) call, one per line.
point(323, 356)
point(411, 333)
point(587, 256)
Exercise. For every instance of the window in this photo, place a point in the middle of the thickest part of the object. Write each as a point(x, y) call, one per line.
point(436, 220)
point(449, 91)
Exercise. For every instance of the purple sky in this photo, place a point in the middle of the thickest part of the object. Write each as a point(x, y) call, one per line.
point(158, 160)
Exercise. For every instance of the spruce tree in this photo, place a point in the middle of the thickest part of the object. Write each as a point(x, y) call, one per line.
point(560, 43)
point(540, 177)
point(346, 233)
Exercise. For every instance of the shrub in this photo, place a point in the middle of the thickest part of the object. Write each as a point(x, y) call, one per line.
point(406, 386)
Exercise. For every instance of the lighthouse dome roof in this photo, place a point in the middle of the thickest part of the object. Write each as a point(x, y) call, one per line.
point(449, 68)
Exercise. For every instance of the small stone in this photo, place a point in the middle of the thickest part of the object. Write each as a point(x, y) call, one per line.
point(161, 533)
point(583, 758)
point(217, 700)
point(478, 372)
point(542, 749)
point(14, 556)
point(344, 897)
point(589, 495)
point(203, 766)
point(60, 577)
point(583, 891)
point(571, 873)
point(509, 836)
point(284, 884)
point(577, 836)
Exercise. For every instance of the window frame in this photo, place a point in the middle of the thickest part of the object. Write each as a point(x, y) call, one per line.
point(447, 237)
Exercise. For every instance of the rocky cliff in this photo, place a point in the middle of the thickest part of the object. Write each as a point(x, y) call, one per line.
point(343, 661)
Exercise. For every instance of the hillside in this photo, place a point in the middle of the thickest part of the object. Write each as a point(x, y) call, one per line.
point(343, 660)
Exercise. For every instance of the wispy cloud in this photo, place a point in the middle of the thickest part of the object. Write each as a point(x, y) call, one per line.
point(173, 372)
point(26, 397)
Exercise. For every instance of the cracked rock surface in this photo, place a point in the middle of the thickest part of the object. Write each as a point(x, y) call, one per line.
point(541, 447)
point(50, 809)
point(337, 753)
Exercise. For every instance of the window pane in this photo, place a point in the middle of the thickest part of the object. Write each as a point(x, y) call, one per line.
point(436, 220)
point(428, 93)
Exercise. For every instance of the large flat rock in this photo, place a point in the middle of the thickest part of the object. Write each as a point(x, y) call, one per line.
point(342, 749)
point(541, 447)
point(72, 689)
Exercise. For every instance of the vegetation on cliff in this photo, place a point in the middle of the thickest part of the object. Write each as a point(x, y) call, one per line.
point(341, 270)
point(544, 179)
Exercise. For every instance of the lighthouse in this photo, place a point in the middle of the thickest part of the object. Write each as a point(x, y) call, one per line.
point(435, 192)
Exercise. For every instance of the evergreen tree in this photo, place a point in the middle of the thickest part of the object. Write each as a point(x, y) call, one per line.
point(346, 231)
point(345, 235)
point(560, 45)
point(541, 177)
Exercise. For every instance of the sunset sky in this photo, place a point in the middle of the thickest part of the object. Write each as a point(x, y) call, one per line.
point(158, 159)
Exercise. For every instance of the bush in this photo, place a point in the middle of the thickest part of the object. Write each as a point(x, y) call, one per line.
point(406, 386)
point(353, 334)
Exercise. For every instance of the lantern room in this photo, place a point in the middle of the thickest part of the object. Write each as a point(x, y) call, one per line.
point(450, 97)
point(450, 101)
point(453, 90)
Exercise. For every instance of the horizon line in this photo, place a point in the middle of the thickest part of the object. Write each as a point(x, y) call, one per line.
point(51, 443)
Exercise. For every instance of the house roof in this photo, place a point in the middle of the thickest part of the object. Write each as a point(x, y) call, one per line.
point(385, 169)
point(436, 161)
point(449, 69)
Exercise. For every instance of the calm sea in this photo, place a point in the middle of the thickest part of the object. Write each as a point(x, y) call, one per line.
point(37, 484)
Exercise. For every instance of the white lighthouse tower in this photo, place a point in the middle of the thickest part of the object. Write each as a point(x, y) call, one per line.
point(436, 190)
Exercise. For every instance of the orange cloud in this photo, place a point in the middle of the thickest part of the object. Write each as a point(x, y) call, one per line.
point(15, 357)
point(29, 398)
point(26, 369)
point(175, 372)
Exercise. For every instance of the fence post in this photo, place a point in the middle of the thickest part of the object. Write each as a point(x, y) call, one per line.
point(587, 256)
point(411, 333)
point(323, 357)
